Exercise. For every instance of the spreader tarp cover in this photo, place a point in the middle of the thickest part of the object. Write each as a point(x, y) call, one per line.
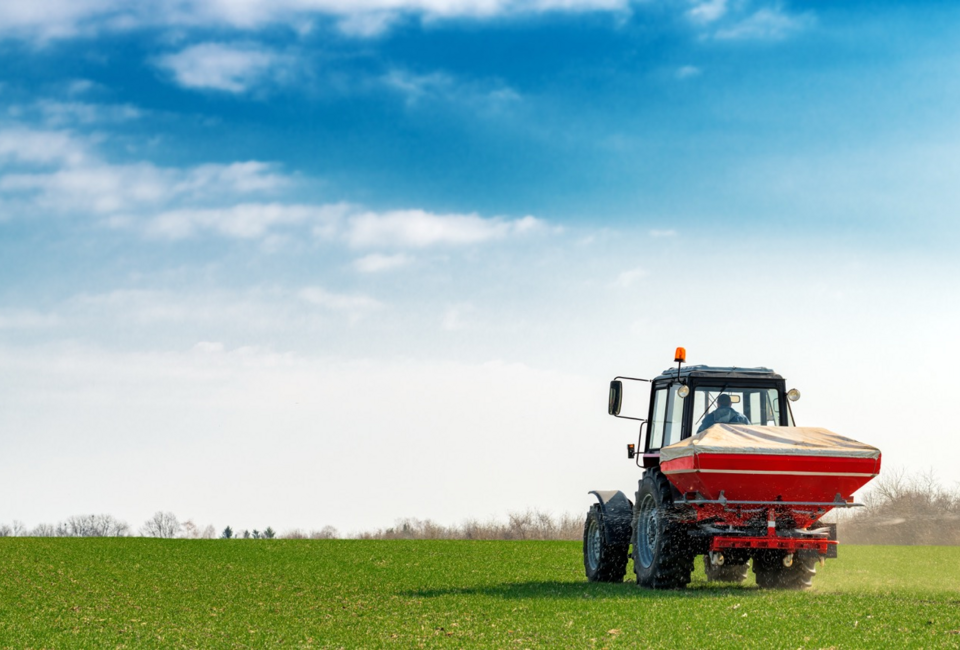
point(780, 441)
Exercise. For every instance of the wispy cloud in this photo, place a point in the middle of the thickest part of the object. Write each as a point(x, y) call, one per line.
point(367, 24)
point(708, 11)
point(420, 229)
point(244, 221)
point(377, 262)
point(355, 306)
point(223, 67)
point(485, 96)
point(60, 114)
point(362, 18)
point(106, 189)
point(457, 317)
point(770, 23)
point(688, 71)
point(25, 145)
point(56, 172)
point(59, 171)
point(746, 20)
point(26, 319)
point(628, 278)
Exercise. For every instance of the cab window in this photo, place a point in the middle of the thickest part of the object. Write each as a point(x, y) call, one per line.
point(666, 427)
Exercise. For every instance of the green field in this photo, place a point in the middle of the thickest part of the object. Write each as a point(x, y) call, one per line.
point(347, 593)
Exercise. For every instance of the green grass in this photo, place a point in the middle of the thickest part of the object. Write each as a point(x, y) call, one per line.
point(341, 593)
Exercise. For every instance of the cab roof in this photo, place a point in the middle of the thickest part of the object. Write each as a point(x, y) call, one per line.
point(731, 372)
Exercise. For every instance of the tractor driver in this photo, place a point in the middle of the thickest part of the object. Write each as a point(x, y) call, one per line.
point(724, 414)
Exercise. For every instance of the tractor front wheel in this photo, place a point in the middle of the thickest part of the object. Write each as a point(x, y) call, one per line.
point(661, 553)
point(772, 574)
point(603, 562)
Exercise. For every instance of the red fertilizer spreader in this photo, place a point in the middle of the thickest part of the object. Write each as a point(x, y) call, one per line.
point(789, 477)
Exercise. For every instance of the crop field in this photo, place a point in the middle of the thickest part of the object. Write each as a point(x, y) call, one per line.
point(360, 594)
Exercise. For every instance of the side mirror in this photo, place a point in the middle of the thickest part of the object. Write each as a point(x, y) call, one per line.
point(616, 397)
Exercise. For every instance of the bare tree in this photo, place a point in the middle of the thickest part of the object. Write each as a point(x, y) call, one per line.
point(904, 509)
point(191, 530)
point(162, 524)
point(93, 526)
point(43, 530)
point(5, 530)
point(327, 532)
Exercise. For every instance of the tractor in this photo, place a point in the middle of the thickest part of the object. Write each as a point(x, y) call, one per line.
point(727, 476)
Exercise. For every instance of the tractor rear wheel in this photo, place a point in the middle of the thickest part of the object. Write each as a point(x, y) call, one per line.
point(603, 562)
point(736, 573)
point(661, 555)
point(771, 574)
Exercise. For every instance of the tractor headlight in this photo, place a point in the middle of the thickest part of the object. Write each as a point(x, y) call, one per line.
point(793, 395)
point(683, 391)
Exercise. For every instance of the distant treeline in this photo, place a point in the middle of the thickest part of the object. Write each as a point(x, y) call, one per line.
point(162, 524)
point(900, 509)
point(531, 524)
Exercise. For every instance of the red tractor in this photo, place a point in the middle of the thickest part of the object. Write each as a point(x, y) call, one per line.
point(727, 475)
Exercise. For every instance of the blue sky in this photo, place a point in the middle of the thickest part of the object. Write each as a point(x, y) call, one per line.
point(393, 248)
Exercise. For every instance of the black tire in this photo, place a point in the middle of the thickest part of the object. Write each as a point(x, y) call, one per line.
point(603, 562)
point(735, 573)
point(662, 558)
point(771, 574)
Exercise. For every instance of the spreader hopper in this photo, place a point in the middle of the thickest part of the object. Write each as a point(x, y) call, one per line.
point(769, 464)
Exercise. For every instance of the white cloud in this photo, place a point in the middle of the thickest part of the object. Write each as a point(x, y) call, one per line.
point(240, 177)
point(663, 233)
point(82, 183)
point(24, 145)
point(27, 319)
point(457, 317)
point(173, 203)
point(708, 11)
point(69, 18)
point(687, 71)
point(367, 24)
point(628, 278)
point(490, 96)
point(354, 306)
point(209, 347)
point(97, 188)
point(375, 262)
point(765, 24)
point(59, 114)
point(208, 315)
point(217, 66)
point(420, 229)
point(54, 18)
point(244, 221)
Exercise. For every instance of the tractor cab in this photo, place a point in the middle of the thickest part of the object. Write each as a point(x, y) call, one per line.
point(687, 400)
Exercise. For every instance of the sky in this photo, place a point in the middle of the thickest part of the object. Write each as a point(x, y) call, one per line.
point(308, 263)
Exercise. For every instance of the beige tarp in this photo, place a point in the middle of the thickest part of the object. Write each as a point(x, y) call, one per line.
point(784, 441)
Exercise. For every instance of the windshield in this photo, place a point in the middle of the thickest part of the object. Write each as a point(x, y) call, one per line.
point(725, 405)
